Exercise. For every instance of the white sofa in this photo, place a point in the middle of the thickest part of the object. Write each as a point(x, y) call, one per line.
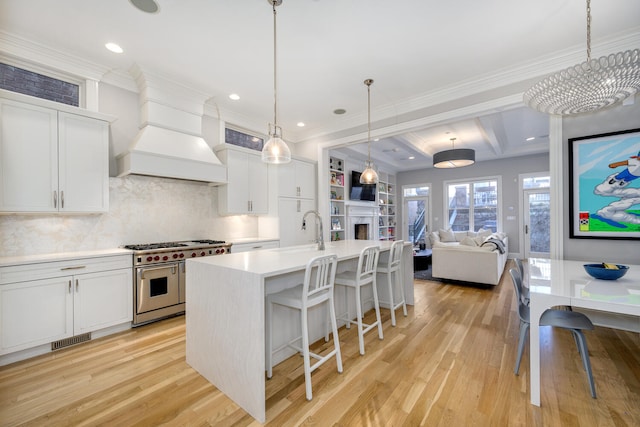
point(469, 256)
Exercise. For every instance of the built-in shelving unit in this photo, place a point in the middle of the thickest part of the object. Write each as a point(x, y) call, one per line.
point(337, 198)
point(387, 207)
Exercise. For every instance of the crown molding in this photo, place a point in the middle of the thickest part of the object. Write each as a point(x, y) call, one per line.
point(522, 72)
point(49, 60)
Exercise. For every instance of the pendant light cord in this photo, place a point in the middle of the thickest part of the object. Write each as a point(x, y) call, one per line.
point(275, 85)
point(368, 82)
point(588, 31)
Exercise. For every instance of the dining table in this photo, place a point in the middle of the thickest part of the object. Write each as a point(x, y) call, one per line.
point(559, 282)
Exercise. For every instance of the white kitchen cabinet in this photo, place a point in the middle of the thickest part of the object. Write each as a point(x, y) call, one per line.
point(247, 188)
point(34, 313)
point(297, 179)
point(291, 212)
point(45, 302)
point(52, 161)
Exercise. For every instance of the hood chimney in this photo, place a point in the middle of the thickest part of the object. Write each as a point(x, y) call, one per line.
point(169, 143)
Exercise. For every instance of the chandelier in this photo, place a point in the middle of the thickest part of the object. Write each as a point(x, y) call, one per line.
point(275, 150)
point(589, 86)
point(454, 158)
point(369, 175)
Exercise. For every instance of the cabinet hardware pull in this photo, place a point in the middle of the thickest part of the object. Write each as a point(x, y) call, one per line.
point(77, 267)
point(62, 199)
point(298, 206)
point(55, 199)
point(77, 284)
point(69, 286)
point(248, 205)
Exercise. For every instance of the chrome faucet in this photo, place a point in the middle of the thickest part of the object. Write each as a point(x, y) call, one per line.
point(319, 231)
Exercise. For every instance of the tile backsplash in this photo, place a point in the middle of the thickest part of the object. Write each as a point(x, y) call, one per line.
point(142, 210)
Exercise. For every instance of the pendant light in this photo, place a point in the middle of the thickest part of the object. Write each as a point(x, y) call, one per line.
point(369, 175)
point(589, 86)
point(275, 150)
point(454, 158)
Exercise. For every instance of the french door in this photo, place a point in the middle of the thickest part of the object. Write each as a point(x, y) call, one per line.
point(537, 242)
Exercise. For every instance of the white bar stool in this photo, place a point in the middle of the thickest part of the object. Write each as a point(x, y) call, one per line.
point(317, 289)
point(392, 268)
point(364, 275)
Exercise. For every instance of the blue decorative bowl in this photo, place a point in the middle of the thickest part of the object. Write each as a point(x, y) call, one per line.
point(597, 271)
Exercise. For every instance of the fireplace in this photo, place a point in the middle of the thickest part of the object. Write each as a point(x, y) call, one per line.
point(360, 222)
point(361, 231)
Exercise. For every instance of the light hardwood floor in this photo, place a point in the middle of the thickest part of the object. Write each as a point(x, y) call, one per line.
point(449, 363)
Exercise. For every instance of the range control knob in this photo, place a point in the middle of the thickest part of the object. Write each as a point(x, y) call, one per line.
point(203, 253)
point(193, 255)
point(156, 258)
point(175, 256)
point(149, 258)
point(164, 258)
point(222, 251)
point(181, 255)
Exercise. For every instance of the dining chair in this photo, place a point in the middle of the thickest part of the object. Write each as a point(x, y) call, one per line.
point(524, 290)
point(570, 320)
point(364, 275)
point(317, 288)
point(394, 279)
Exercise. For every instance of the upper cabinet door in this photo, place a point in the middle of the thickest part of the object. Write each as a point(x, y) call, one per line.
point(28, 158)
point(258, 185)
point(84, 164)
point(297, 179)
point(247, 187)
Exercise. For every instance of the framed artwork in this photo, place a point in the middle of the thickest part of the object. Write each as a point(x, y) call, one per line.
point(604, 189)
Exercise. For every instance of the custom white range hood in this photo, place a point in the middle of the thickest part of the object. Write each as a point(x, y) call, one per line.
point(169, 143)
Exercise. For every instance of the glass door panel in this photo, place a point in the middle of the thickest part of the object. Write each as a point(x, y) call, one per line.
point(537, 223)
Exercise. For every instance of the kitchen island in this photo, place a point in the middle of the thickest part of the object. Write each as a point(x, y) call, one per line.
point(225, 318)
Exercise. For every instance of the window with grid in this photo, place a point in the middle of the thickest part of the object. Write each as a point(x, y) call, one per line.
point(472, 205)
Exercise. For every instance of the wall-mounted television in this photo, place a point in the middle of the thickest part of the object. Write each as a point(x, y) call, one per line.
point(362, 192)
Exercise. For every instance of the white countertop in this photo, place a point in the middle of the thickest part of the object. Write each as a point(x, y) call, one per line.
point(272, 262)
point(60, 256)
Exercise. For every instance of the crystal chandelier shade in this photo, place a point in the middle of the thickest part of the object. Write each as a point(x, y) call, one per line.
point(589, 86)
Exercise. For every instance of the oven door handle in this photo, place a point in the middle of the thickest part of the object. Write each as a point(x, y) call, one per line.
point(145, 270)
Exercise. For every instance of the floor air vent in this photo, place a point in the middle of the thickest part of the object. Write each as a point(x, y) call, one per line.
point(66, 342)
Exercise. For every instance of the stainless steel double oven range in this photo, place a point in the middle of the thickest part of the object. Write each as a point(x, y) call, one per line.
point(159, 276)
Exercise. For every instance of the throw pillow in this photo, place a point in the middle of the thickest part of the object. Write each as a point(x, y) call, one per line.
point(447, 235)
point(459, 235)
point(484, 233)
point(468, 241)
point(434, 238)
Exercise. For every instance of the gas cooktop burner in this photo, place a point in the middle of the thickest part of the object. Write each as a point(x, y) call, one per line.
point(210, 242)
point(148, 246)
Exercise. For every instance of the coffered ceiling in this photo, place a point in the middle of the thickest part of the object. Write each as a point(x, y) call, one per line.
point(440, 69)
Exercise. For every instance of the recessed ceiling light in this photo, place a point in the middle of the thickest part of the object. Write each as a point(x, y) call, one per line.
point(148, 6)
point(412, 157)
point(113, 47)
point(339, 111)
point(234, 96)
point(531, 138)
point(300, 124)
